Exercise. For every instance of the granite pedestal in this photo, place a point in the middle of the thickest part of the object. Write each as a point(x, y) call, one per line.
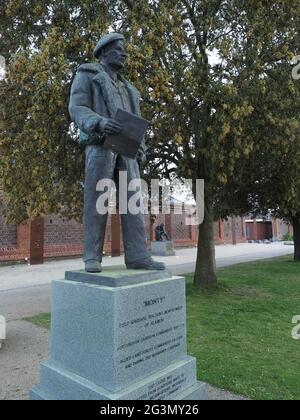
point(119, 335)
point(162, 248)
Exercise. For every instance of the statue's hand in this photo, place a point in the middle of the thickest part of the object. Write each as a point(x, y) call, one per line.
point(110, 126)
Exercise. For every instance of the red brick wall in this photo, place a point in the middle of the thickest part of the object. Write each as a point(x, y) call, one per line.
point(8, 233)
point(8, 237)
point(232, 230)
point(180, 231)
point(61, 231)
point(64, 238)
point(228, 231)
point(240, 229)
point(264, 231)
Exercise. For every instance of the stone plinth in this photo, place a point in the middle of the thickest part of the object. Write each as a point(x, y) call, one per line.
point(118, 335)
point(162, 248)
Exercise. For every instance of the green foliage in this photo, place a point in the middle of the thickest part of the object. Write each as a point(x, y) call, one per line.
point(288, 237)
point(209, 121)
point(41, 165)
point(200, 108)
point(210, 73)
point(269, 182)
point(270, 178)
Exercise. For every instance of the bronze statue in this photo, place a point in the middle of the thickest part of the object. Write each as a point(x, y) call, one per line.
point(160, 233)
point(98, 91)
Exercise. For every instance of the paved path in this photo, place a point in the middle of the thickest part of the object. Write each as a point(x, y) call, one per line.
point(20, 276)
point(25, 291)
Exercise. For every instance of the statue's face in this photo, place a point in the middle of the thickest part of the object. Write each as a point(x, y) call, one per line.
point(115, 55)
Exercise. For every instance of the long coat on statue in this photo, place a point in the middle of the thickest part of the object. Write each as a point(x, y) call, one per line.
point(92, 98)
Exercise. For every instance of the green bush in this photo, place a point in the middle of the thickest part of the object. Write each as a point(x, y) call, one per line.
point(288, 237)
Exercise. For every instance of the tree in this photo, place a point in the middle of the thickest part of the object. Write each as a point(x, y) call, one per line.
point(193, 60)
point(41, 164)
point(202, 107)
point(279, 187)
point(270, 182)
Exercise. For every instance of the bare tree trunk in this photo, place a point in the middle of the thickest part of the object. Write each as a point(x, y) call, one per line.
point(205, 274)
point(296, 227)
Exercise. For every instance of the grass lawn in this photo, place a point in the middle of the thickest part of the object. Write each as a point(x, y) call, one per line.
point(241, 333)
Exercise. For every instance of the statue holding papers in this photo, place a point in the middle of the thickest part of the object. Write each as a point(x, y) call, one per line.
point(105, 107)
point(129, 141)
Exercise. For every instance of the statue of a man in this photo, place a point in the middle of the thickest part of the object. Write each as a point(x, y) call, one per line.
point(161, 234)
point(97, 92)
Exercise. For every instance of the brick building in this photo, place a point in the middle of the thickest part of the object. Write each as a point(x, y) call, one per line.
point(54, 236)
point(267, 229)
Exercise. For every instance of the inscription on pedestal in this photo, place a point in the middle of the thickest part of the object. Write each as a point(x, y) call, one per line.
point(116, 343)
point(152, 351)
point(165, 387)
point(152, 333)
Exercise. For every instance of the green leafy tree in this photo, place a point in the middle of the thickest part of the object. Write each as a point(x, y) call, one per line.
point(270, 181)
point(41, 164)
point(193, 60)
point(202, 60)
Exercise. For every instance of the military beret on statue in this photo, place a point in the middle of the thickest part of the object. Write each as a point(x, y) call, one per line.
point(105, 40)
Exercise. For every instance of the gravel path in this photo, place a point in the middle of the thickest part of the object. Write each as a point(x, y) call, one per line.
point(26, 346)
